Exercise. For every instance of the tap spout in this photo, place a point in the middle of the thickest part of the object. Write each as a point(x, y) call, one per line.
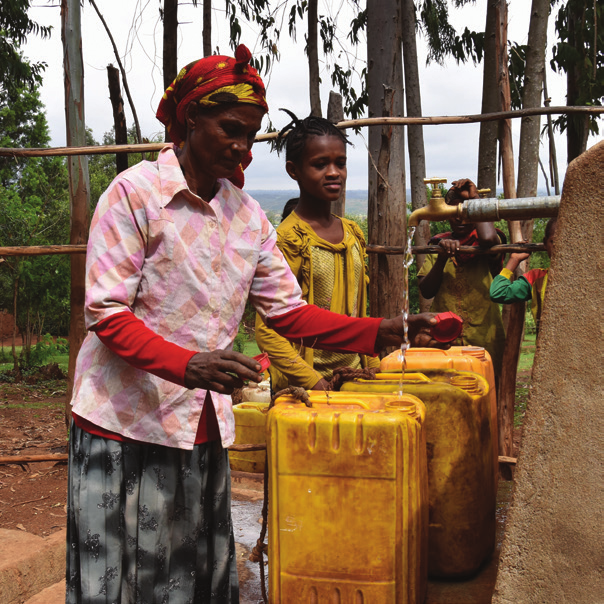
point(437, 209)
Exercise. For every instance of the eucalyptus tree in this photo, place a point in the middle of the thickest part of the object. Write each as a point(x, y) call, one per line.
point(579, 53)
point(15, 26)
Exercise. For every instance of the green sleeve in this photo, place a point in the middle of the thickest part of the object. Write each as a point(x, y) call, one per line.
point(505, 291)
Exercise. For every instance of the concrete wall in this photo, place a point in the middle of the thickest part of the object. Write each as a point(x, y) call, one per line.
point(553, 550)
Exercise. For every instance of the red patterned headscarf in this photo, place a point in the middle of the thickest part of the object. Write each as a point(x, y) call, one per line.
point(211, 81)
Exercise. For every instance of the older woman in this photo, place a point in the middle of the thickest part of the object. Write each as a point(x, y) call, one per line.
point(176, 248)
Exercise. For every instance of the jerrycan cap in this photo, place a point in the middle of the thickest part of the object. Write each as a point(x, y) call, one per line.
point(263, 360)
point(448, 327)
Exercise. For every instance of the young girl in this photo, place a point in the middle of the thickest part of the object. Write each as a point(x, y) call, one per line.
point(460, 282)
point(326, 253)
point(531, 285)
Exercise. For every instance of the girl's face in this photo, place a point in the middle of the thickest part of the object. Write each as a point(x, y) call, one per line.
point(549, 243)
point(321, 170)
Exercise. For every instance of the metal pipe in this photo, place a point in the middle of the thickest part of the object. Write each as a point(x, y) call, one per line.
point(522, 208)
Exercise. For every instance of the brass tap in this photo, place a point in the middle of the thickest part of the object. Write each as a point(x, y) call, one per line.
point(484, 193)
point(436, 210)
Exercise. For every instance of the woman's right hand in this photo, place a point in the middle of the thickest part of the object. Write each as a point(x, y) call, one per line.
point(221, 371)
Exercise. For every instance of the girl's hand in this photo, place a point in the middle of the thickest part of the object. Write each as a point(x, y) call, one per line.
point(515, 259)
point(322, 384)
point(448, 247)
point(221, 371)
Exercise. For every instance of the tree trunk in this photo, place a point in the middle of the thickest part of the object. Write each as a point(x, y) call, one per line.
point(577, 130)
point(387, 207)
point(487, 145)
point(528, 158)
point(530, 129)
point(313, 58)
point(335, 114)
point(79, 190)
point(207, 28)
point(507, 380)
point(553, 159)
point(170, 40)
point(14, 346)
point(415, 134)
point(119, 119)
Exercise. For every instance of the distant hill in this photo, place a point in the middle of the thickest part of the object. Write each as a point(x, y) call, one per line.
point(356, 200)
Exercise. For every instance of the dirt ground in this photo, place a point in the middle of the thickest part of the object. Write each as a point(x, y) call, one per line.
point(33, 495)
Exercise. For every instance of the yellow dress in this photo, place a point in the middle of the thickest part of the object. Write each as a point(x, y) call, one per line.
point(332, 276)
point(465, 291)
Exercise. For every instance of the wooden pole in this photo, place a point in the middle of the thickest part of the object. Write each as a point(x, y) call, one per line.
point(373, 121)
point(48, 250)
point(335, 114)
point(507, 381)
point(206, 33)
point(79, 189)
point(119, 119)
point(386, 211)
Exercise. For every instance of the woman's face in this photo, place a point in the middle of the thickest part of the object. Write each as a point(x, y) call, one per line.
point(321, 170)
point(219, 138)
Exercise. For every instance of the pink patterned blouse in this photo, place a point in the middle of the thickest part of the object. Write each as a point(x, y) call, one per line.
point(186, 268)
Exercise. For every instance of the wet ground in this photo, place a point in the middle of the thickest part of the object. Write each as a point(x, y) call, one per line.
point(247, 512)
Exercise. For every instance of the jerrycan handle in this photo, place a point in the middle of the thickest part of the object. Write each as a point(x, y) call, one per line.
point(325, 399)
point(335, 401)
point(414, 376)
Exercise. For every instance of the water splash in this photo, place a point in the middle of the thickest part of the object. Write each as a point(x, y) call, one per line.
point(407, 262)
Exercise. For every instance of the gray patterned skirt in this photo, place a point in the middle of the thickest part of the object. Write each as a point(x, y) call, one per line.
point(148, 524)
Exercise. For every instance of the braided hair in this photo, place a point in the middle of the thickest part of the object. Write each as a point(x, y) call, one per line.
point(293, 137)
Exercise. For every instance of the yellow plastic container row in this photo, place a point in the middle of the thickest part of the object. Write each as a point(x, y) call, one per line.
point(459, 358)
point(250, 429)
point(460, 466)
point(348, 499)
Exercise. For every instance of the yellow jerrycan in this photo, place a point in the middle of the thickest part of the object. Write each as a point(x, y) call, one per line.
point(250, 429)
point(460, 358)
point(348, 499)
point(461, 494)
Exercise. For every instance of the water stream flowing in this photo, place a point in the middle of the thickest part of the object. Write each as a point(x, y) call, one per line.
point(407, 262)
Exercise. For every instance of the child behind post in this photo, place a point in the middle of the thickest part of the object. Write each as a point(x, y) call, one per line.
point(531, 285)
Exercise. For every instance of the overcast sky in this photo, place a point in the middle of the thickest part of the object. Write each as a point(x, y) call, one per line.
point(451, 151)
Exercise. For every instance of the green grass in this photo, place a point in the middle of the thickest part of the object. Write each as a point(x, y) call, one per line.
point(525, 363)
point(61, 359)
point(250, 348)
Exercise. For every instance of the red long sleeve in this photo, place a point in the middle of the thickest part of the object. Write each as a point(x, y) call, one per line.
point(128, 337)
point(317, 328)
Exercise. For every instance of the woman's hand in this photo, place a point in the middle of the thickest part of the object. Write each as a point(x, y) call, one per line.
point(221, 371)
point(391, 332)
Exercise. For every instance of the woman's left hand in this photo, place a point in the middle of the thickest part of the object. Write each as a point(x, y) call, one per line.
point(221, 371)
point(391, 332)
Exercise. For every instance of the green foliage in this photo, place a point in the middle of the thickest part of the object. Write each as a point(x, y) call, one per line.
point(34, 210)
point(15, 25)
point(44, 351)
point(579, 53)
